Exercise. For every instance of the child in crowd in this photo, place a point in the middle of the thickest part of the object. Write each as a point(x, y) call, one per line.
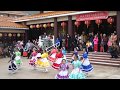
point(63, 74)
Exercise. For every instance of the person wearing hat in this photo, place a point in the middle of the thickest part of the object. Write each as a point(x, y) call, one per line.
point(86, 66)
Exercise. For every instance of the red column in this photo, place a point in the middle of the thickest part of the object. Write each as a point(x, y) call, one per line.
point(70, 31)
point(55, 28)
point(118, 24)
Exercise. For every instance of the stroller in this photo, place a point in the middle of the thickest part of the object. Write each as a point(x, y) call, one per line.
point(12, 67)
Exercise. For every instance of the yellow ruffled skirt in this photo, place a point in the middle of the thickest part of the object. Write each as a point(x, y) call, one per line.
point(43, 63)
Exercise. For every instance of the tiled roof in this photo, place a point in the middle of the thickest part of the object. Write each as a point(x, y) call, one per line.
point(43, 15)
point(6, 22)
point(14, 12)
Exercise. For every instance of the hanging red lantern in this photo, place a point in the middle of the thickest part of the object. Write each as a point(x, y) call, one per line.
point(98, 22)
point(49, 25)
point(37, 26)
point(63, 24)
point(110, 20)
point(41, 25)
point(5, 34)
point(34, 26)
point(77, 23)
point(14, 34)
point(87, 23)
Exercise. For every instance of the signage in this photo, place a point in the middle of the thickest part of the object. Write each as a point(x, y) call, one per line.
point(92, 16)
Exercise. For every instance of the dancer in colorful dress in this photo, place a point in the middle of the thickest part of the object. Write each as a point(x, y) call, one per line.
point(18, 58)
point(44, 61)
point(52, 55)
point(75, 53)
point(12, 67)
point(33, 59)
point(76, 72)
point(63, 74)
point(86, 66)
point(38, 60)
point(59, 57)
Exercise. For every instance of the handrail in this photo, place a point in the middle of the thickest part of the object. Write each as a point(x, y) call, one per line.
point(55, 45)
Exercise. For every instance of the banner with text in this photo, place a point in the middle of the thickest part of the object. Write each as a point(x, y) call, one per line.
point(92, 16)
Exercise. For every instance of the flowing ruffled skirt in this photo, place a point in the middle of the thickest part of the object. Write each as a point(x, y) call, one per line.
point(77, 74)
point(62, 75)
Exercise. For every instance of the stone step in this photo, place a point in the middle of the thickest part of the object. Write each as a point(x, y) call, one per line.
point(92, 55)
point(99, 58)
point(105, 64)
point(108, 61)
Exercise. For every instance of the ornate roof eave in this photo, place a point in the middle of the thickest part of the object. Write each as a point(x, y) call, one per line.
point(53, 16)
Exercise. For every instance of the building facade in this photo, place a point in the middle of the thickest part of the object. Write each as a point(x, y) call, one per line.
point(60, 22)
point(89, 21)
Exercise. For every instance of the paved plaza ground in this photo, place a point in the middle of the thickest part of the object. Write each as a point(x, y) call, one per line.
point(27, 72)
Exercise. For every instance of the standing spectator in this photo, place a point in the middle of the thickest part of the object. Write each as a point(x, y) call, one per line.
point(109, 44)
point(91, 37)
point(115, 37)
point(44, 36)
point(69, 43)
point(105, 40)
point(99, 41)
point(75, 42)
point(95, 40)
point(27, 46)
point(60, 39)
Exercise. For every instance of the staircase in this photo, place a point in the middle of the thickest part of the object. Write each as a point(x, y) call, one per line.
point(99, 58)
